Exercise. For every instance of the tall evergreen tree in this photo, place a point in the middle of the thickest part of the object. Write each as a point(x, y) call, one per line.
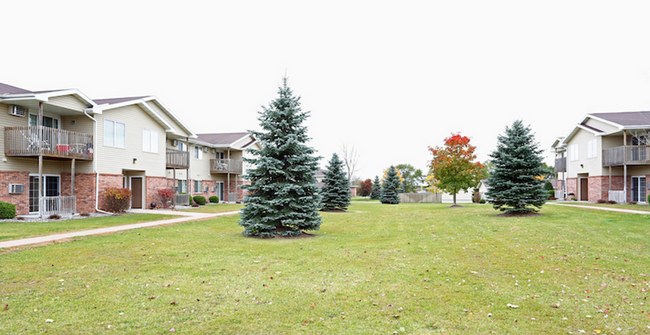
point(376, 189)
point(517, 161)
point(282, 197)
point(335, 193)
point(390, 187)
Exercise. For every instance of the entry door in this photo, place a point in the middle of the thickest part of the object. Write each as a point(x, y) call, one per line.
point(136, 190)
point(51, 188)
point(638, 189)
point(584, 189)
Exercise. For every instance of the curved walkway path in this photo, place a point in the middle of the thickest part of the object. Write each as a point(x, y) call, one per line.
point(621, 210)
point(184, 216)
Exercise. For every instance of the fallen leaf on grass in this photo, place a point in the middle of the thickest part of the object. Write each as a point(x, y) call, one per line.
point(512, 306)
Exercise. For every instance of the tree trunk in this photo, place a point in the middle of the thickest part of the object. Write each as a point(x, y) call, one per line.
point(455, 192)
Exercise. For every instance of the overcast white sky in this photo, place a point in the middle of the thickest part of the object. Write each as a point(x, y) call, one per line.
point(390, 78)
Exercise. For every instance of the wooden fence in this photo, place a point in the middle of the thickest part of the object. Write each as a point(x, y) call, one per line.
point(420, 198)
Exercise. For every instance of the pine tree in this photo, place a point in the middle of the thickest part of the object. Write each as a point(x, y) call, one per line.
point(335, 193)
point(513, 187)
point(282, 197)
point(390, 187)
point(376, 189)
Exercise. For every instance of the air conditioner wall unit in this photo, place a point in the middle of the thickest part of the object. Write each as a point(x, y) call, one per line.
point(18, 111)
point(205, 189)
point(174, 143)
point(214, 151)
point(213, 189)
point(16, 189)
point(205, 149)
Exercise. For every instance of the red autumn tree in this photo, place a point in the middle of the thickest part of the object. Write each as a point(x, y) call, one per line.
point(365, 188)
point(453, 165)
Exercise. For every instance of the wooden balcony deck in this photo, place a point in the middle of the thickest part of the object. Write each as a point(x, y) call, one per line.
point(177, 159)
point(627, 155)
point(560, 165)
point(54, 143)
point(233, 166)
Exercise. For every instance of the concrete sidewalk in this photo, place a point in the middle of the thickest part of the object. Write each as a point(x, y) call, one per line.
point(620, 210)
point(185, 216)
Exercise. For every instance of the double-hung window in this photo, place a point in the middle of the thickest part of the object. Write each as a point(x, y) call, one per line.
point(198, 186)
point(114, 134)
point(592, 148)
point(198, 152)
point(149, 140)
point(573, 152)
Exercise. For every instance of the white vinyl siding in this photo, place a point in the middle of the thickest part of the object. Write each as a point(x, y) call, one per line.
point(592, 148)
point(114, 134)
point(150, 141)
point(573, 152)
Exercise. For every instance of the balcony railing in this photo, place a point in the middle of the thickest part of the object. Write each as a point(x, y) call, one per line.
point(58, 205)
point(177, 159)
point(560, 164)
point(627, 155)
point(57, 143)
point(233, 166)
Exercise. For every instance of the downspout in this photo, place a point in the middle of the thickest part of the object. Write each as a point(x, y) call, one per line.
point(39, 127)
point(95, 164)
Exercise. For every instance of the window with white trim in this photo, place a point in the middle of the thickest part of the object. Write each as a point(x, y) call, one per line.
point(198, 186)
point(150, 140)
point(198, 152)
point(114, 134)
point(573, 152)
point(592, 148)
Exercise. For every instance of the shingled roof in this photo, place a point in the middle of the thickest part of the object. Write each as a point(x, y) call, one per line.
point(625, 118)
point(221, 138)
point(112, 101)
point(8, 89)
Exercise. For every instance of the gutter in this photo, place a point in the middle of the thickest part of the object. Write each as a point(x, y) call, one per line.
point(95, 164)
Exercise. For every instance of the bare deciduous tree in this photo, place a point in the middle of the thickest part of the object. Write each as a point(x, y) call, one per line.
point(350, 159)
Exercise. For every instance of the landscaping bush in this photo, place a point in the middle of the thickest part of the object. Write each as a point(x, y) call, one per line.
point(214, 199)
point(7, 210)
point(476, 198)
point(601, 201)
point(117, 200)
point(166, 196)
point(54, 217)
point(199, 199)
point(482, 201)
point(612, 202)
point(551, 193)
point(648, 199)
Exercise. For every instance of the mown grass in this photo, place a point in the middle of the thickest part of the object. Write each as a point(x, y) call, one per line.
point(410, 268)
point(23, 229)
point(215, 208)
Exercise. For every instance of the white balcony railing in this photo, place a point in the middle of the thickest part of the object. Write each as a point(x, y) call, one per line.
point(58, 205)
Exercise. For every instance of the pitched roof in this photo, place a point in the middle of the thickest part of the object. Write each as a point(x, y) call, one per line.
point(8, 89)
point(112, 101)
point(625, 118)
point(222, 138)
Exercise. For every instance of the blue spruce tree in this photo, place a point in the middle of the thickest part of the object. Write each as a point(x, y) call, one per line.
point(390, 188)
point(282, 197)
point(335, 193)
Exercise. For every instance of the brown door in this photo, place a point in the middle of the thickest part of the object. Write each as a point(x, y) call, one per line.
point(584, 189)
point(136, 190)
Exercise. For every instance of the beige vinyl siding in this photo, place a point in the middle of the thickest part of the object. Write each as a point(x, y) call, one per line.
point(200, 168)
point(164, 116)
point(69, 102)
point(607, 128)
point(114, 160)
point(593, 166)
point(13, 163)
point(77, 123)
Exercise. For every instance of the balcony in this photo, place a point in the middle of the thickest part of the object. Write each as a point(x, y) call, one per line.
point(627, 155)
point(560, 165)
point(177, 159)
point(233, 166)
point(53, 143)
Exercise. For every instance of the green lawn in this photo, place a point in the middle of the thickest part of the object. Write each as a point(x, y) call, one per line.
point(215, 208)
point(637, 207)
point(24, 229)
point(411, 268)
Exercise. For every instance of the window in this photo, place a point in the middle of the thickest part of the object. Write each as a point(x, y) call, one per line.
point(149, 140)
point(114, 134)
point(198, 186)
point(182, 146)
point(182, 186)
point(573, 152)
point(592, 148)
point(198, 152)
point(47, 121)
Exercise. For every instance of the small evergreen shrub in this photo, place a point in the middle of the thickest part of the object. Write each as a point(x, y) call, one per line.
point(199, 199)
point(482, 201)
point(573, 199)
point(7, 210)
point(117, 200)
point(214, 199)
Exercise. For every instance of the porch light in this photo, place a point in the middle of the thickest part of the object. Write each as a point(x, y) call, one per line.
point(135, 160)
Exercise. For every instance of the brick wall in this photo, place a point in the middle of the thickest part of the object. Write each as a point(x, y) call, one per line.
point(20, 200)
point(84, 190)
point(107, 181)
point(572, 187)
point(598, 188)
point(153, 185)
point(234, 185)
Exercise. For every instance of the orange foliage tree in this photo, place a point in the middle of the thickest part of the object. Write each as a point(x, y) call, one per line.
point(453, 165)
